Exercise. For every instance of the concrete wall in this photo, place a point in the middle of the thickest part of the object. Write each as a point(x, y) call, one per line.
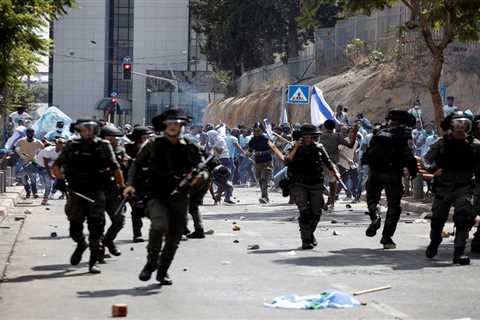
point(160, 43)
point(78, 64)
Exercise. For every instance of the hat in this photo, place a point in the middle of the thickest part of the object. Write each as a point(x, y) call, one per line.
point(138, 132)
point(177, 115)
point(308, 129)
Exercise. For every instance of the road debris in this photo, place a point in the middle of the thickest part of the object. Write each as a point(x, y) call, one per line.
point(236, 241)
point(326, 299)
point(243, 218)
point(27, 212)
point(209, 232)
point(253, 247)
point(119, 310)
point(335, 233)
point(53, 235)
point(333, 221)
point(357, 293)
point(226, 262)
point(236, 227)
point(19, 218)
point(348, 206)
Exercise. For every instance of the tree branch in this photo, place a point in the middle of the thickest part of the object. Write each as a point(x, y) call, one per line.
point(449, 31)
point(408, 4)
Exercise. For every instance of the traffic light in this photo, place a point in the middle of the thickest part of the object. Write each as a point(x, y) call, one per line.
point(127, 71)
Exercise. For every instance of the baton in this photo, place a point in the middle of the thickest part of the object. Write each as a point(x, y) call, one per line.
point(120, 207)
point(81, 196)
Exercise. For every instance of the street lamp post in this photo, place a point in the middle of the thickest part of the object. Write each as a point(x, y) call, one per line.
point(173, 82)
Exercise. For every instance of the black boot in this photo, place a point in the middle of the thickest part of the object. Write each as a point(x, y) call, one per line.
point(150, 266)
point(388, 243)
point(459, 256)
point(314, 240)
point(164, 278)
point(432, 249)
point(92, 264)
point(77, 254)
point(197, 234)
point(374, 226)
point(112, 248)
point(307, 245)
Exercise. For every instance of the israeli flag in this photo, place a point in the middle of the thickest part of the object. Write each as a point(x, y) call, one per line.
point(319, 109)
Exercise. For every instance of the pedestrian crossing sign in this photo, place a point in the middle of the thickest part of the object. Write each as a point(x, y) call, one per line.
point(298, 94)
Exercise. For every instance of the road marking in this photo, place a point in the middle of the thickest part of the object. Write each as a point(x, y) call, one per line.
point(379, 306)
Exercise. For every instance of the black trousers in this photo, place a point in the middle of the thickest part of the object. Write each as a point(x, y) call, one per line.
point(392, 184)
point(309, 200)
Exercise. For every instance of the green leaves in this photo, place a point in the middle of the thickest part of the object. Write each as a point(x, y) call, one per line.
point(20, 43)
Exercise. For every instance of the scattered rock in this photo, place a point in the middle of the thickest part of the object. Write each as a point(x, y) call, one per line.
point(131, 248)
point(47, 208)
point(209, 232)
point(348, 206)
point(236, 227)
point(53, 235)
point(242, 218)
point(19, 218)
point(335, 233)
point(185, 270)
point(253, 247)
point(333, 221)
point(27, 211)
point(236, 241)
point(324, 229)
point(119, 310)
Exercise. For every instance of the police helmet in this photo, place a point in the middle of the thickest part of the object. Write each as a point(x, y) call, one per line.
point(171, 115)
point(110, 131)
point(459, 121)
point(87, 123)
point(402, 117)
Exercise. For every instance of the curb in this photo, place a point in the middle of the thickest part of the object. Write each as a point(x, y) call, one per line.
point(8, 200)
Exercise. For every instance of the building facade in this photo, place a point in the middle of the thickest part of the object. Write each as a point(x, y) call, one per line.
point(93, 41)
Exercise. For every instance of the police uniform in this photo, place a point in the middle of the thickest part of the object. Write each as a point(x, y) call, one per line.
point(166, 164)
point(459, 160)
point(387, 155)
point(113, 195)
point(87, 167)
point(305, 173)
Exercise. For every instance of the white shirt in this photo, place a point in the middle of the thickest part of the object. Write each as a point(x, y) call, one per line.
point(416, 112)
point(447, 110)
point(222, 145)
point(49, 153)
point(16, 117)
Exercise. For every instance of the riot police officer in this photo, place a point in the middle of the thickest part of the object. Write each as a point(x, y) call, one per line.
point(387, 156)
point(167, 158)
point(113, 194)
point(454, 162)
point(305, 173)
point(87, 163)
point(138, 137)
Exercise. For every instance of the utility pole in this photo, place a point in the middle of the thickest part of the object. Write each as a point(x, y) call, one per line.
point(173, 82)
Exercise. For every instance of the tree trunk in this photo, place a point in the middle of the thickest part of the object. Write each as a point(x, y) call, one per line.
point(437, 66)
point(267, 50)
point(292, 38)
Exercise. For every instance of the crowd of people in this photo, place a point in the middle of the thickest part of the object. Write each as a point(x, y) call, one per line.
point(164, 171)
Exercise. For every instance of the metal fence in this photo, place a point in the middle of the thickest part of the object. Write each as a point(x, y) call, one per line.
point(297, 69)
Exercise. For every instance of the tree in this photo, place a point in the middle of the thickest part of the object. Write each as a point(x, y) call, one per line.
point(21, 43)
point(450, 19)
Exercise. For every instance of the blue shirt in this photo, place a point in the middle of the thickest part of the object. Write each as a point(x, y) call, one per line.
point(231, 142)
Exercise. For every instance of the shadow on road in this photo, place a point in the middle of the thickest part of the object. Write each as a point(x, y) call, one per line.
point(270, 251)
point(134, 292)
point(50, 238)
point(57, 267)
point(33, 277)
point(362, 257)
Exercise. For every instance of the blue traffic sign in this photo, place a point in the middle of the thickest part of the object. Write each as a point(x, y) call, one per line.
point(298, 94)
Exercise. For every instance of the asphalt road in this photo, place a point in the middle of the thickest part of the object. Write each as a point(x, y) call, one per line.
point(216, 278)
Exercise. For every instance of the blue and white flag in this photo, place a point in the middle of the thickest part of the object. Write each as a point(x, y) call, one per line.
point(319, 109)
point(268, 128)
